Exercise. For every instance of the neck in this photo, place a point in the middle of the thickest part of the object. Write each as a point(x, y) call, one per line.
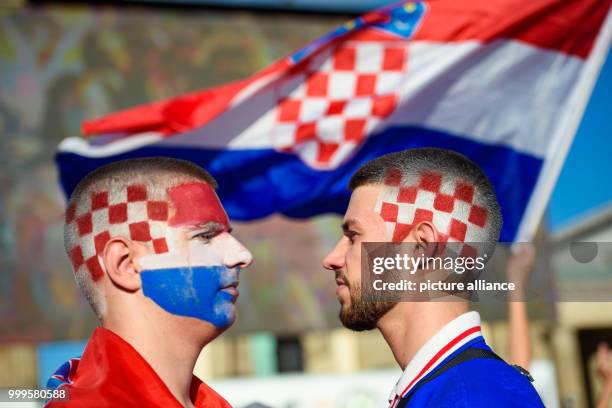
point(170, 345)
point(409, 325)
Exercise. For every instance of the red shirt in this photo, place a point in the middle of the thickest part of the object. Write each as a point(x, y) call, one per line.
point(111, 373)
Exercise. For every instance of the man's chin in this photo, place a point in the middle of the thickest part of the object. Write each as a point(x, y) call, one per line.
point(355, 325)
point(228, 319)
point(363, 316)
point(208, 331)
point(355, 320)
point(219, 323)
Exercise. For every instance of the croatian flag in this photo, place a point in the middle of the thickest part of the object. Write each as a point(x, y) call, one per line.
point(504, 82)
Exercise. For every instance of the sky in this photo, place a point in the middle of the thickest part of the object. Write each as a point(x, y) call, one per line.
point(585, 182)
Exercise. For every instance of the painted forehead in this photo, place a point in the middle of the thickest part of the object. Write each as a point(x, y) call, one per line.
point(139, 214)
point(449, 203)
point(196, 203)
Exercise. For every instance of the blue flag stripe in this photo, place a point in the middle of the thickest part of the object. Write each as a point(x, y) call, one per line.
point(317, 191)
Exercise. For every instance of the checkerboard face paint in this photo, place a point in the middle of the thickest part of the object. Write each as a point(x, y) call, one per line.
point(198, 277)
point(193, 266)
point(133, 213)
point(451, 205)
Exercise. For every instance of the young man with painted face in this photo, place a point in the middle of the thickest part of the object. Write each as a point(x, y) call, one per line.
point(152, 251)
point(426, 197)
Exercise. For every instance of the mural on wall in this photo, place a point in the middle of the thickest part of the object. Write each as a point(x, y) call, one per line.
point(61, 65)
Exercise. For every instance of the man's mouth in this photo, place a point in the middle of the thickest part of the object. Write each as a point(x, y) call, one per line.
point(232, 289)
point(341, 285)
point(340, 279)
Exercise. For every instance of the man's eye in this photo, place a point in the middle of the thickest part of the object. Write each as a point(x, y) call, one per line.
point(206, 236)
point(351, 237)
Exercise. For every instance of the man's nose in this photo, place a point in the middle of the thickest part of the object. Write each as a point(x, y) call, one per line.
point(335, 259)
point(236, 255)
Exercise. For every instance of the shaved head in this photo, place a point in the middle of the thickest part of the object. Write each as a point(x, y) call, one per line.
point(132, 199)
point(435, 185)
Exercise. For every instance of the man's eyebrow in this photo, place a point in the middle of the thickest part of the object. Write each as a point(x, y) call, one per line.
point(348, 224)
point(210, 226)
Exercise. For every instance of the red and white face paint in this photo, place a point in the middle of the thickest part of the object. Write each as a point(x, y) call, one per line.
point(129, 213)
point(449, 204)
point(193, 266)
point(198, 277)
point(196, 203)
point(134, 214)
point(195, 212)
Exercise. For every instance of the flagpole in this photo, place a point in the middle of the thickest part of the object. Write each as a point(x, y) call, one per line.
point(564, 134)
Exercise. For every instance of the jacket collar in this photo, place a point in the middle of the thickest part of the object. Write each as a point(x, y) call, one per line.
point(449, 339)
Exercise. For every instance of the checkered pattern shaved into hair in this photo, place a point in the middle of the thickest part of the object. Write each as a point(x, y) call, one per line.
point(437, 186)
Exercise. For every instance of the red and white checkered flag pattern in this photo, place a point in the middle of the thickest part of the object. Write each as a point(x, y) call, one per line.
point(129, 213)
point(450, 205)
point(333, 101)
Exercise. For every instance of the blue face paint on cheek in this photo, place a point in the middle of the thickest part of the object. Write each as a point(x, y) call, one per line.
point(192, 292)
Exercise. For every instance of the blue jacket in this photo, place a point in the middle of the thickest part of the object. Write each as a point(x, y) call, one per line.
point(480, 382)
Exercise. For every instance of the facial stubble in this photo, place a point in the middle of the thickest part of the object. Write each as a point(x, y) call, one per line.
point(360, 314)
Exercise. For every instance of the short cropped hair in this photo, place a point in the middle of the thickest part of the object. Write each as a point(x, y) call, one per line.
point(125, 198)
point(453, 167)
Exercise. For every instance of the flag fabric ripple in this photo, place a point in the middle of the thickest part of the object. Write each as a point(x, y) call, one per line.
point(504, 82)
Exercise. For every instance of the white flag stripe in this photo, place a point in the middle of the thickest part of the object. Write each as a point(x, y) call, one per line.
point(505, 92)
point(464, 89)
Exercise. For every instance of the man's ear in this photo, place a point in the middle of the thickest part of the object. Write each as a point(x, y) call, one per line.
point(425, 235)
point(119, 260)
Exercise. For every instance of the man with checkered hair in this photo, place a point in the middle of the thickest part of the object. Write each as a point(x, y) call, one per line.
point(152, 252)
point(428, 200)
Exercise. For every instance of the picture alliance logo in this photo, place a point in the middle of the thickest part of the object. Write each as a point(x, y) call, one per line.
point(411, 264)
